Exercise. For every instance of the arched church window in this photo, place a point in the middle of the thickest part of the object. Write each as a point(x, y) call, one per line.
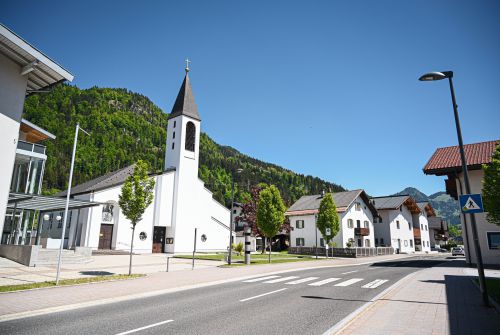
point(190, 136)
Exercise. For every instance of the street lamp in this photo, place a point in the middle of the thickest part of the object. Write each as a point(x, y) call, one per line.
point(67, 201)
point(433, 76)
point(229, 256)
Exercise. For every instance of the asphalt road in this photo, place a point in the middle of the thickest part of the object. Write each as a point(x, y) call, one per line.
point(300, 302)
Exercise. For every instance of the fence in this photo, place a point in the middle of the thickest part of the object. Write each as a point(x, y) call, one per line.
point(342, 252)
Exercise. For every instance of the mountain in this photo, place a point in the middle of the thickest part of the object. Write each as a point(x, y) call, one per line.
point(443, 204)
point(124, 127)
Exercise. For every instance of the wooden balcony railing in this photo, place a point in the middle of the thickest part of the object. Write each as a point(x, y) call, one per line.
point(362, 231)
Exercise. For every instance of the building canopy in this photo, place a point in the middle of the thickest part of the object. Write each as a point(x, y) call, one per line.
point(45, 203)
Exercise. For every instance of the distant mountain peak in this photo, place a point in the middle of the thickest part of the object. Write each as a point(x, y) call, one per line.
point(414, 193)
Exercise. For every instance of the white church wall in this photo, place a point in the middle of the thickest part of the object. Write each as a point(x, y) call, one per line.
point(164, 197)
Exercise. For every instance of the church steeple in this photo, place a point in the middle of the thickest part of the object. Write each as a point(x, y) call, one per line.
point(185, 104)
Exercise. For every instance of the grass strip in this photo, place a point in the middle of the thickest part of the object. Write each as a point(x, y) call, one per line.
point(76, 281)
point(493, 288)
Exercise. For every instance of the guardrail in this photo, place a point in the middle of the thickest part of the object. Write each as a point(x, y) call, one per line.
point(32, 147)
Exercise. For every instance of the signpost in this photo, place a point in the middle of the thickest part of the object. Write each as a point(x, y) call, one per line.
point(328, 232)
point(471, 203)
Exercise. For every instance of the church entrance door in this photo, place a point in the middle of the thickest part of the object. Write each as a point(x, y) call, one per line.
point(159, 239)
point(105, 236)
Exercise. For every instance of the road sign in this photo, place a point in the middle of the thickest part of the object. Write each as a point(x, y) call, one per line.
point(471, 203)
point(328, 231)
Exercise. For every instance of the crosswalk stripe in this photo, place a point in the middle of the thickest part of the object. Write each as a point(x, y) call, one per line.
point(324, 281)
point(349, 282)
point(259, 279)
point(375, 283)
point(280, 280)
point(303, 280)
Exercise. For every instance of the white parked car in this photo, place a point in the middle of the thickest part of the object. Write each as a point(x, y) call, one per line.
point(457, 252)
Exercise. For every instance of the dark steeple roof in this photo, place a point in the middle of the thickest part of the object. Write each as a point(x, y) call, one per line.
point(184, 104)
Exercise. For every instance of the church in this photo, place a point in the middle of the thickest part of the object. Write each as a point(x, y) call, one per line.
point(181, 202)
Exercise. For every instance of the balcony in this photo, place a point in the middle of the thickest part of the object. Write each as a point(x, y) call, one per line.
point(362, 231)
point(31, 147)
point(416, 233)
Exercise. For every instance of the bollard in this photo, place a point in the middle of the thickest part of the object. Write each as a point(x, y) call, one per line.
point(168, 261)
point(247, 246)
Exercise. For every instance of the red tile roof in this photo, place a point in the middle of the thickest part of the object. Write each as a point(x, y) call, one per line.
point(447, 159)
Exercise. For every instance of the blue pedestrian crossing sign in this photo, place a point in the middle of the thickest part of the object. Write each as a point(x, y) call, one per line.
point(471, 203)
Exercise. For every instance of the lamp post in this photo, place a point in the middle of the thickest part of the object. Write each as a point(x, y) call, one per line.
point(433, 76)
point(229, 255)
point(67, 201)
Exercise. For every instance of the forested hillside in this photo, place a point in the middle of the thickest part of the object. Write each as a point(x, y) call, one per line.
point(127, 126)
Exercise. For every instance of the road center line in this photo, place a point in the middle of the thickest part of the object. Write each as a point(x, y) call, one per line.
point(145, 327)
point(349, 272)
point(258, 296)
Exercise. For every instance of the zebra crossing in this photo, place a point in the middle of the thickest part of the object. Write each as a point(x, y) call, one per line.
point(316, 281)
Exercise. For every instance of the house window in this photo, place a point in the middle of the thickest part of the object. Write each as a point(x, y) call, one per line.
point(380, 219)
point(406, 243)
point(367, 243)
point(190, 136)
point(350, 223)
point(299, 242)
point(411, 243)
point(175, 123)
point(173, 145)
point(358, 223)
point(381, 241)
point(409, 225)
point(321, 242)
point(422, 226)
point(397, 224)
point(427, 243)
point(357, 206)
point(401, 208)
point(426, 227)
point(299, 224)
point(173, 135)
point(376, 241)
point(366, 224)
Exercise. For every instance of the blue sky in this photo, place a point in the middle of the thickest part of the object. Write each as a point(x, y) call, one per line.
point(327, 88)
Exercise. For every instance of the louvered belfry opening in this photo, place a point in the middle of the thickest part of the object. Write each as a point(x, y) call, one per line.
point(190, 136)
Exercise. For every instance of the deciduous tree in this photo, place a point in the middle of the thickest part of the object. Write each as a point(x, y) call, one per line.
point(491, 188)
point(135, 197)
point(328, 218)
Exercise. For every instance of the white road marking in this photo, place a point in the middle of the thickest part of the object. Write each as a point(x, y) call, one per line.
point(303, 280)
point(145, 327)
point(349, 272)
point(261, 295)
point(324, 281)
point(259, 279)
point(280, 280)
point(375, 283)
point(349, 282)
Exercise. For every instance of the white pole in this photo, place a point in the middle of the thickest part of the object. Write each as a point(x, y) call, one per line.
point(67, 204)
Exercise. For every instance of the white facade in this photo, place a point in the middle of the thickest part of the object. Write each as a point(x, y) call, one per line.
point(489, 250)
point(394, 228)
point(357, 215)
point(423, 225)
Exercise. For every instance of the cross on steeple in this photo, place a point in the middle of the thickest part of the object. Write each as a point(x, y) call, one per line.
point(187, 64)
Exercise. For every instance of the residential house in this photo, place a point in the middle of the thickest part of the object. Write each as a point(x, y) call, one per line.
point(447, 162)
point(421, 230)
point(356, 214)
point(438, 232)
point(394, 225)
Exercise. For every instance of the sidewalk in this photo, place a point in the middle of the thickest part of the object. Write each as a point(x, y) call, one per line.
point(439, 300)
point(17, 304)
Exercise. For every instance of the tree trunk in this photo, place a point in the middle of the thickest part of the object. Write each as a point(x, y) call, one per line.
point(131, 248)
point(269, 250)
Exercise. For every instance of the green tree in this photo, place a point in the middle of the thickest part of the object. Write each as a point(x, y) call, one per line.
point(136, 196)
point(270, 213)
point(328, 219)
point(491, 188)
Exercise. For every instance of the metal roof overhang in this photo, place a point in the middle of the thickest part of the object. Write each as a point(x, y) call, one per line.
point(45, 203)
point(43, 72)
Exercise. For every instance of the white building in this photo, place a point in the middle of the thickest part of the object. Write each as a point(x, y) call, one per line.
point(356, 215)
point(421, 228)
point(447, 162)
point(394, 226)
point(181, 202)
point(23, 69)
